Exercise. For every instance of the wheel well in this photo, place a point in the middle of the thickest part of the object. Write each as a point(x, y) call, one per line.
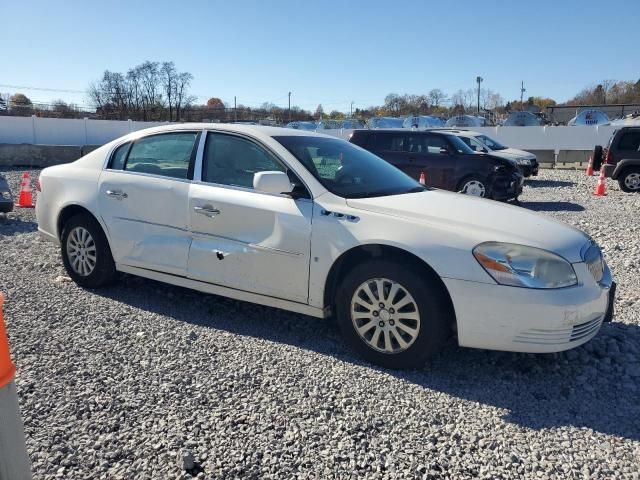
point(359, 254)
point(67, 213)
point(627, 167)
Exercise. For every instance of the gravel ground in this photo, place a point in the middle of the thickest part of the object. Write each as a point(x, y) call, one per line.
point(143, 380)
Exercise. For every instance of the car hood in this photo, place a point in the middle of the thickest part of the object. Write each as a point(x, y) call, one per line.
point(513, 153)
point(479, 220)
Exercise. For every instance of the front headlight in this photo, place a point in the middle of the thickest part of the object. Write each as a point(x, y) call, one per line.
point(524, 161)
point(521, 266)
point(5, 195)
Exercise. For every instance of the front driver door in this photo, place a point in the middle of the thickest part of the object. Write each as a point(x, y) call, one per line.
point(441, 160)
point(242, 238)
point(143, 201)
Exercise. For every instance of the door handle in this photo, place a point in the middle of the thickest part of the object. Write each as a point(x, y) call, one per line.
point(207, 211)
point(119, 194)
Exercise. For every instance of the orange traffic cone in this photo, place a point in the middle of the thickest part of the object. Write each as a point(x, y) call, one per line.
point(590, 167)
point(422, 178)
point(25, 200)
point(600, 187)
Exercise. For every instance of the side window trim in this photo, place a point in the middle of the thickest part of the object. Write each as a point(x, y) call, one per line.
point(200, 163)
point(113, 156)
point(192, 158)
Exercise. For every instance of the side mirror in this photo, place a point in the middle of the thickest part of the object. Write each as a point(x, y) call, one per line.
point(272, 182)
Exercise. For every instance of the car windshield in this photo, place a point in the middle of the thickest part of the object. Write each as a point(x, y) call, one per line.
point(492, 144)
point(459, 145)
point(346, 169)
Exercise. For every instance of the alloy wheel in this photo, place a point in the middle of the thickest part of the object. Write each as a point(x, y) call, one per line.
point(474, 188)
point(632, 181)
point(81, 250)
point(385, 315)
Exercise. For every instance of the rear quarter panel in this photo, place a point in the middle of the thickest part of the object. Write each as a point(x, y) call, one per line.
point(64, 185)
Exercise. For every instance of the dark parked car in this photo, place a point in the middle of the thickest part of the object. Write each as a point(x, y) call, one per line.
point(446, 161)
point(6, 200)
point(622, 158)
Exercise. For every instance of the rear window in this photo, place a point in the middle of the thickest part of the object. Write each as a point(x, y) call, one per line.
point(629, 142)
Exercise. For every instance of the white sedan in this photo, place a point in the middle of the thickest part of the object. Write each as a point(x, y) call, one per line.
point(271, 216)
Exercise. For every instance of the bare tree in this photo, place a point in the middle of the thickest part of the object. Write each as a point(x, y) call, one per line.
point(182, 97)
point(437, 97)
point(169, 74)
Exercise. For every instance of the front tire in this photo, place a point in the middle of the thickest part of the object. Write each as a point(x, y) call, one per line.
point(629, 180)
point(85, 252)
point(392, 315)
point(474, 186)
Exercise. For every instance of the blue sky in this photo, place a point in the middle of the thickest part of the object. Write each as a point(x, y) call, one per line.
point(323, 51)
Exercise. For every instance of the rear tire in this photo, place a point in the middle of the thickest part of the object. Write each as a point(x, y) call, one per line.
point(401, 337)
point(85, 252)
point(629, 180)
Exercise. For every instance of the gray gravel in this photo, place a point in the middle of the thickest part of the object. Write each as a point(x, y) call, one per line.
point(143, 380)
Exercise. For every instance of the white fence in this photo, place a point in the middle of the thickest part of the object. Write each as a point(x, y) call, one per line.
point(536, 138)
point(57, 131)
point(65, 131)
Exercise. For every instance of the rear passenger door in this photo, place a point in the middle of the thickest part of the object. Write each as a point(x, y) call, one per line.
point(143, 201)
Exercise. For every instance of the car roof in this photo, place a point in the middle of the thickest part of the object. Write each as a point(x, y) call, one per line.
point(403, 130)
point(462, 132)
point(257, 130)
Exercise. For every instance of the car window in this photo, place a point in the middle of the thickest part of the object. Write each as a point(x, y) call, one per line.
point(416, 144)
point(434, 144)
point(232, 160)
point(467, 141)
point(168, 154)
point(459, 146)
point(119, 156)
point(474, 144)
point(390, 142)
point(491, 143)
point(346, 169)
point(630, 142)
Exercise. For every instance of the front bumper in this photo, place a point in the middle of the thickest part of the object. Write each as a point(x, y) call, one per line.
point(6, 205)
point(507, 187)
point(516, 319)
point(530, 170)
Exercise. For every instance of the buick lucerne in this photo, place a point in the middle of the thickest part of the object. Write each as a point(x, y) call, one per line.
point(317, 225)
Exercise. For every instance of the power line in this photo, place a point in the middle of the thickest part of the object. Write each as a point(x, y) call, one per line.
point(42, 89)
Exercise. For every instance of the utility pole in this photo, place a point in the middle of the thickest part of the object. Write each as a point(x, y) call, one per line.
point(289, 106)
point(522, 90)
point(351, 109)
point(479, 80)
point(235, 109)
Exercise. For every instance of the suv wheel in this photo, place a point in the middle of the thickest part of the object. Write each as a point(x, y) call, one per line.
point(629, 180)
point(474, 186)
point(85, 252)
point(392, 315)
